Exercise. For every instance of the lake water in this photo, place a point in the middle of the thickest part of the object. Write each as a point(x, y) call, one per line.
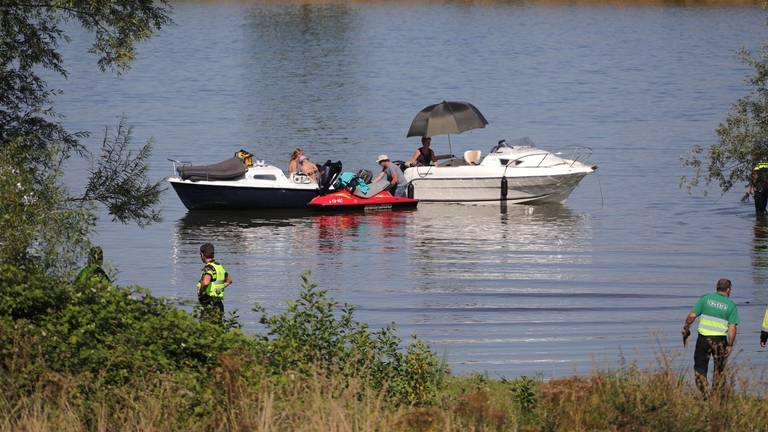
point(546, 289)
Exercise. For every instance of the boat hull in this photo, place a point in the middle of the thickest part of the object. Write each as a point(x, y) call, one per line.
point(196, 196)
point(534, 189)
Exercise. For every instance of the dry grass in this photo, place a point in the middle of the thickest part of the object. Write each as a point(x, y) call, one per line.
point(236, 399)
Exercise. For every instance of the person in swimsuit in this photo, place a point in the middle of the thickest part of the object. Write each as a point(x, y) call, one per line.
point(293, 163)
point(424, 156)
point(308, 167)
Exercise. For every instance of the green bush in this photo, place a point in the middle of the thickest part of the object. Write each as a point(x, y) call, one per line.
point(120, 335)
point(114, 333)
point(311, 335)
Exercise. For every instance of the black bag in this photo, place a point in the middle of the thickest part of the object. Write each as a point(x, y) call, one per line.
point(328, 173)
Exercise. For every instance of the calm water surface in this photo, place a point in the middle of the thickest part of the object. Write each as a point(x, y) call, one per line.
point(547, 289)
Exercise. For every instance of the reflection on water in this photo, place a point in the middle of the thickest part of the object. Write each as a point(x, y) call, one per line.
point(308, 47)
point(483, 243)
point(434, 270)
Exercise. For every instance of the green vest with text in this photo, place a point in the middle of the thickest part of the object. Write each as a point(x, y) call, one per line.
point(765, 322)
point(716, 312)
point(216, 287)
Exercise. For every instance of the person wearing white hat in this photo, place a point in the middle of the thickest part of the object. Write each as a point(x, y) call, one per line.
point(393, 174)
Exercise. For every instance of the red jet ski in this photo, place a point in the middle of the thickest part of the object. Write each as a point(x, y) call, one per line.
point(372, 199)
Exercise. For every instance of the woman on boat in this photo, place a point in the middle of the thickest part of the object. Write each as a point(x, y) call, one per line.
point(308, 167)
point(424, 155)
point(293, 163)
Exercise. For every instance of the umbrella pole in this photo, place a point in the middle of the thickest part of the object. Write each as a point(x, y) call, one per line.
point(450, 149)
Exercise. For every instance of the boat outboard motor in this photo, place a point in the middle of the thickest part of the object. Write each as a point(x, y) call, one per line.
point(328, 174)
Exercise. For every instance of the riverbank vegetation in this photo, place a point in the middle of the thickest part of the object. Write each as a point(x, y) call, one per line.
point(741, 137)
point(101, 357)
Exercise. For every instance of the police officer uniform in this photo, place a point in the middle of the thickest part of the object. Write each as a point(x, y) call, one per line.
point(760, 187)
point(212, 297)
point(716, 312)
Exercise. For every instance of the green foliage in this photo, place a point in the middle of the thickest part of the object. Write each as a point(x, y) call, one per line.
point(116, 334)
point(119, 336)
point(119, 179)
point(35, 144)
point(742, 138)
point(30, 35)
point(524, 393)
point(316, 332)
point(38, 222)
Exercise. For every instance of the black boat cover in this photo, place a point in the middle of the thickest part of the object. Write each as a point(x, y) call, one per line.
point(230, 169)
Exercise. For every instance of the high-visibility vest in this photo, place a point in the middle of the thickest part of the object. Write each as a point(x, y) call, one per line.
point(760, 165)
point(765, 321)
point(216, 287)
point(712, 326)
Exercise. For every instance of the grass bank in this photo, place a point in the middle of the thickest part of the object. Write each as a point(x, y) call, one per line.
point(95, 357)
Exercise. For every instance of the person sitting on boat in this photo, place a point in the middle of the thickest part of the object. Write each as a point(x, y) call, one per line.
point(424, 156)
point(308, 167)
point(394, 176)
point(293, 164)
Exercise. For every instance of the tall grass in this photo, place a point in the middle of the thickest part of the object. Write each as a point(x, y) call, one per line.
point(631, 399)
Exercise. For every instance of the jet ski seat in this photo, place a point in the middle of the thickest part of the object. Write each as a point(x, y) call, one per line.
point(230, 169)
point(373, 189)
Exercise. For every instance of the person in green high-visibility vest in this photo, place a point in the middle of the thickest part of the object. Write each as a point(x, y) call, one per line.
point(93, 270)
point(718, 320)
point(758, 187)
point(210, 289)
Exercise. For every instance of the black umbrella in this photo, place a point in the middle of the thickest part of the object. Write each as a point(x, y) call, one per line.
point(446, 118)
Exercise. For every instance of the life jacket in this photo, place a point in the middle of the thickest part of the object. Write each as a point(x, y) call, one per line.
point(761, 173)
point(216, 287)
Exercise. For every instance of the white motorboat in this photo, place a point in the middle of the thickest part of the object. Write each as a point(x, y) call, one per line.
point(515, 172)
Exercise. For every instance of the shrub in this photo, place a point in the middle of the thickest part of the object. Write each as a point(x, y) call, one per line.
point(113, 333)
point(318, 333)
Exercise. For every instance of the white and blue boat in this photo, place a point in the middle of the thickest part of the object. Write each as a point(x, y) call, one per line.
point(234, 185)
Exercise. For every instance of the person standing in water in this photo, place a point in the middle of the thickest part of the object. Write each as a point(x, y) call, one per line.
point(210, 289)
point(717, 334)
point(758, 187)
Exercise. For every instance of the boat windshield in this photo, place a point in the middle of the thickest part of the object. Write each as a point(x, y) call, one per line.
point(520, 142)
point(515, 142)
